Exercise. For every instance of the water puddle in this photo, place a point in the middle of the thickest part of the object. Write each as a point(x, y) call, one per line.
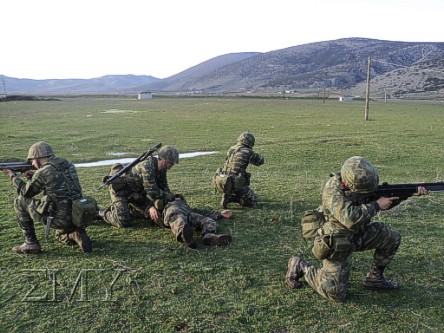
point(129, 160)
point(119, 111)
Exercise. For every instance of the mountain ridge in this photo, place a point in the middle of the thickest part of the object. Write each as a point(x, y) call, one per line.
point(401, 68)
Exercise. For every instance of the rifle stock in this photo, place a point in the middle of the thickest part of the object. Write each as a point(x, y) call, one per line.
point(17, 166)
point(139, 159)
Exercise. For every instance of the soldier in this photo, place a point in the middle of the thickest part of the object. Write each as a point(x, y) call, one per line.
point(348, 229)
point(133, 194)
point(232, 179)
point(57, 179)
point(182, 219)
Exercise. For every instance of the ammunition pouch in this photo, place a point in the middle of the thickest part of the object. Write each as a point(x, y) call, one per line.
point(223, 183)
point(311, 221)
point(240, 182)
point(83, 212)
point(322, 246)
point(45, 203)
point(332, 242)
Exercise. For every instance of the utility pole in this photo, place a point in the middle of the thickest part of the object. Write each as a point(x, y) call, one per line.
point(325, 83)
point(367, 93)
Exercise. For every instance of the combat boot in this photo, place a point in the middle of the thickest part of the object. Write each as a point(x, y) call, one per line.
point(100, 215)
point(375, 280)
point(81, 239)
point(186, 236)
point(296, 269)
point(30, 246)
point(213, 239)
point(226, 199)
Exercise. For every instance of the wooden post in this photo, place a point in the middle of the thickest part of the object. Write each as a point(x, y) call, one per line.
point(325, 83)
point(367, 92)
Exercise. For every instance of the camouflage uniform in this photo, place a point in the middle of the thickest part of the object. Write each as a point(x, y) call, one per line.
point(133, 193)
point(59, 182)
point(177, 214)
point(237, 160)
point(348, 229)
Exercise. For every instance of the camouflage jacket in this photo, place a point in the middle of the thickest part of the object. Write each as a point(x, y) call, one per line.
point(153, 180)
point(239, 157)
point(58, 179)
point(344, 210)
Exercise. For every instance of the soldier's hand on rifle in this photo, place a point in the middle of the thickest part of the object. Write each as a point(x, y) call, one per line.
point(385, 203)
point(8, 172)
point(28, 174)
point(421, 191)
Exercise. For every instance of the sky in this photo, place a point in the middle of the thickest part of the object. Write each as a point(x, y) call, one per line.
point(61, 39)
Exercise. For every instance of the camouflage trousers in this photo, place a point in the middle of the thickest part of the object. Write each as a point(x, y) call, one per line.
point(199, 222)
point(332, 279)
point(247, 195)
point(29, 210)
point(125, 207)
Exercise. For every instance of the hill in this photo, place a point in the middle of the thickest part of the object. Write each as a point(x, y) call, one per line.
point(403, 69)
point(104, 84)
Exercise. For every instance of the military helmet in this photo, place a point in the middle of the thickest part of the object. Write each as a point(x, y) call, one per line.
point(169, 154)
point(40, 149)
point(246, 138)
point(359, 175)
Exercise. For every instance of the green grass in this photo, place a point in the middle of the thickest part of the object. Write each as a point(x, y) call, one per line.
point(141, 280)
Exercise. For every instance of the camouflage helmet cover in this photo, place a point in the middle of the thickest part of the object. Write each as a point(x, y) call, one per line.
point(169, 154)
point(359, 175)
point(40, 149)
point(247, 139)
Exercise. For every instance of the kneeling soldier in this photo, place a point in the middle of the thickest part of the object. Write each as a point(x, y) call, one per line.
point(57, 179)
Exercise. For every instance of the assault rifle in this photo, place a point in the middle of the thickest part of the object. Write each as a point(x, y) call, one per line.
point(401, 191)
point(144, 156)
point(17, 166)
point(404, 191)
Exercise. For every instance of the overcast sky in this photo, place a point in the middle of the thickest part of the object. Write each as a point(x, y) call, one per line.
point(45, 39)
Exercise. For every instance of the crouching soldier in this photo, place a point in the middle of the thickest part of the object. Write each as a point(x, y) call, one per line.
point(133, 193)
point(349, 205)
point(183, 220)
point(232, 179)
point(57, 179)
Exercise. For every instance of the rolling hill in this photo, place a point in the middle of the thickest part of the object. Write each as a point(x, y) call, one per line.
point(402, 68)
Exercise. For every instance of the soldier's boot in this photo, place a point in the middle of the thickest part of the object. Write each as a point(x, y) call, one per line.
point(226, 199)
point(100, 215)
point(296, 270)
point(247, 202)
point(80, 237)
point(375, 279)
point(186, 236)
point(30, 246)
point(214, 240)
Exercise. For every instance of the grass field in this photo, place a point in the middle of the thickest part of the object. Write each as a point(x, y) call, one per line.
point(140, 280)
